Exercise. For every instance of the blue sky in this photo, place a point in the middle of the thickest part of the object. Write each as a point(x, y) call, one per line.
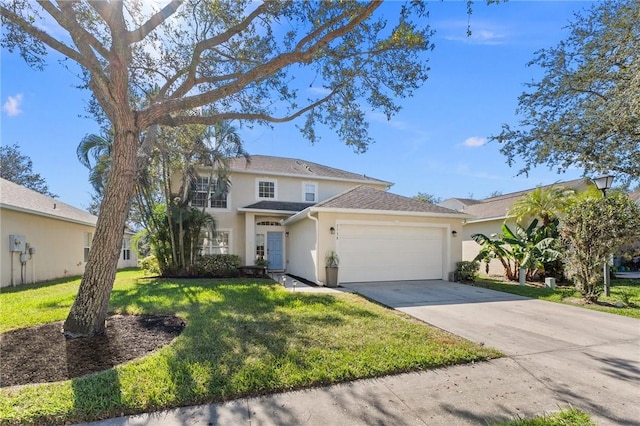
point(435, 145)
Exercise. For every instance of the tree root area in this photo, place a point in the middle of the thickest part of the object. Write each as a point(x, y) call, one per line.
point(42, 354)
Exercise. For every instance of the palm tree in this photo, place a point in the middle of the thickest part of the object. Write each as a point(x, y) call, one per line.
point(94, 152)
point(545, 203)
point(219, 145)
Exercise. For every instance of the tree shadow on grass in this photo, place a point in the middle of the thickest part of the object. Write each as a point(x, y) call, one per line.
point(240, 336)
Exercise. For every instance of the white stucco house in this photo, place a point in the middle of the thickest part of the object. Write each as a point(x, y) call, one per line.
point(292, 212)
point(487, 216)
point(44, 238)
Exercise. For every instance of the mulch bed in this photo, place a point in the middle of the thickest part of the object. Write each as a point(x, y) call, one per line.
point(42, 354)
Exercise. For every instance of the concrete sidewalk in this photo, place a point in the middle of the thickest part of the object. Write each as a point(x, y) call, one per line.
point(476, 394)
point(590, 360)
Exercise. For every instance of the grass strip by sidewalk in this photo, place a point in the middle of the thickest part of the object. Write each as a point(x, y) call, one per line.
point(243, 338)
point(568, 417)
point(622, 290)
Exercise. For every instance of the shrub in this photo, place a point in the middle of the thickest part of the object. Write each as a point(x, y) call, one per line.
point(467, 271)
point(217, 265)
point(150, 265)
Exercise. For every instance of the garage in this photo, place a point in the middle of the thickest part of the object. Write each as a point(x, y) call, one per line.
point(390, 251)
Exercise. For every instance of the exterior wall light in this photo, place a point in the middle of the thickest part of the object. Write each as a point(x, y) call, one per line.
point(332, 230)
point(454, 233)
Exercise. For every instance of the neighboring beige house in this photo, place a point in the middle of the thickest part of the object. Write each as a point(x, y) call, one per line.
point(43, 238)
point(292, 212)
point(487, 217)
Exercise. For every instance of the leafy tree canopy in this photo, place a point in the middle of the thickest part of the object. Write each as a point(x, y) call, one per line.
point(428, 198)
point(203, 62)
point(585, 111)
point(18, 168)
point(594, 229)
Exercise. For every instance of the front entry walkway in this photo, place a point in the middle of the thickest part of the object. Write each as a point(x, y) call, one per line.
point(589, 359)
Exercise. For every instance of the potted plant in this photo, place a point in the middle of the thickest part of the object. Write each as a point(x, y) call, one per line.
point(331, 262)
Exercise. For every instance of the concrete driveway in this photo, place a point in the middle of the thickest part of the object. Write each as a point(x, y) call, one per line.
point(588, 359)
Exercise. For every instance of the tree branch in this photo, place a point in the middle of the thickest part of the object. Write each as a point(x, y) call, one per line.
point(191, 69)
point(168, 120)
point(283, 60)
point(61, 17)
point(42, 36)
point(153, 22)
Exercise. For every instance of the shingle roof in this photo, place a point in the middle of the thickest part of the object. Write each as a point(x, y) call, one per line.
point(16, 197)
point(635, 196)
point(368, 198)
point(279, 205)
point(293, 166)
point(497, 207)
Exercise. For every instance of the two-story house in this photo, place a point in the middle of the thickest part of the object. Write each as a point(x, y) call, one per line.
point(292, 212)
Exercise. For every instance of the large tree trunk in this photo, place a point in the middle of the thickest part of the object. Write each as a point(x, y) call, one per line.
point(89, 311)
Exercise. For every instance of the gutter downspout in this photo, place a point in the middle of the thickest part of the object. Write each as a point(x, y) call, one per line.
point(315, 219)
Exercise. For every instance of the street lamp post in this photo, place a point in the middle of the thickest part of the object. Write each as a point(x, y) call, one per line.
point(603, 183)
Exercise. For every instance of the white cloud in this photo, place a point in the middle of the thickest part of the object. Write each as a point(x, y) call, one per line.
point(324, 91)
point(474, 141)
point(12, 106)
point(481, 32)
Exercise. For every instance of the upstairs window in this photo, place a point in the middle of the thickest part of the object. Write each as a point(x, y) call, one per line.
point(309, 192)
point(126, 249)
point(201, 191)
point(267, 189)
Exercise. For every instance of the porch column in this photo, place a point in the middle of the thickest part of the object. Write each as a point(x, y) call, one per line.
point(250, 236)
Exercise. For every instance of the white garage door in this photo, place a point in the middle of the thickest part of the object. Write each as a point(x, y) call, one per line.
point(389, 252)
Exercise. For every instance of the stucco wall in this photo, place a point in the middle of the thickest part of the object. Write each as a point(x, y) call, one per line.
point(59, 248)
point(470, 248)
point(243, 193)
point(302, 259)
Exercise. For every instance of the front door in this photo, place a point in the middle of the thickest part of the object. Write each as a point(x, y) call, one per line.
point(274, 250)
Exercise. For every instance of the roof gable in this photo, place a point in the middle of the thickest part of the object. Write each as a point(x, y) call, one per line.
point(19, 198)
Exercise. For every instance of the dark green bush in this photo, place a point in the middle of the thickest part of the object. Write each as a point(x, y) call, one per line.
point(217, 265)
point(467, 271)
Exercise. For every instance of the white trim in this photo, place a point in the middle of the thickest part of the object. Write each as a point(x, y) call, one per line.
point(275, 189)
point(489, 219)
point(264, 212)
point(304, 191)
point(303, 214)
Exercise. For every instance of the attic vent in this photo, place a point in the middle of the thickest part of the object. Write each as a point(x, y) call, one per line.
point(304, 166)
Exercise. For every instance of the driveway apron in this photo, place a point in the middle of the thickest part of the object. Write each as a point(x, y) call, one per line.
point(585, 358)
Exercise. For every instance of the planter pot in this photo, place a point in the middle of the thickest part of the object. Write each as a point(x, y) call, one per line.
point(332, 277)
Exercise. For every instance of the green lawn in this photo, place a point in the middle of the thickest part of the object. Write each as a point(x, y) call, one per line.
point(243, 337)
point(625, 291)
point(568, 417)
